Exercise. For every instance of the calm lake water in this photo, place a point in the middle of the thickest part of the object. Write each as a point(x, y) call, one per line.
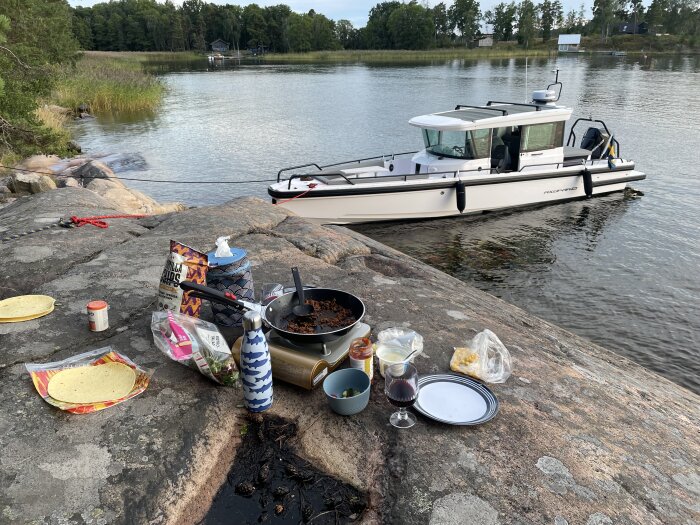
point(620, 271)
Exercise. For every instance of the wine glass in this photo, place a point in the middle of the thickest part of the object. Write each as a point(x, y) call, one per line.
point(401, 389)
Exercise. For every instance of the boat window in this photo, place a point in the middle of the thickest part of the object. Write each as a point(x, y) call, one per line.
point(480, 139)
point(430, 137)
point(543, 136)
point(457, 144)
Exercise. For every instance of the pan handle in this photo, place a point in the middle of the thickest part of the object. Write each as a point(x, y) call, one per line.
point(211, 294)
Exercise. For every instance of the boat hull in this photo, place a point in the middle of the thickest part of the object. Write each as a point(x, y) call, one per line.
point(429, 199)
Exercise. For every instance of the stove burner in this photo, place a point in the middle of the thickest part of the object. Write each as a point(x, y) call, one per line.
point(274, 337)
point(333, 351)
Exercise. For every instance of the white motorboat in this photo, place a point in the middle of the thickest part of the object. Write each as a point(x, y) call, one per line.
point(476, 159)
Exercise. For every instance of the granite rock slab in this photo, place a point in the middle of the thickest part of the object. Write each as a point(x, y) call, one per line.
point(583, 435)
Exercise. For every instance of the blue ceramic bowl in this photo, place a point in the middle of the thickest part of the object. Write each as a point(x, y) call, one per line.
point(341, 380)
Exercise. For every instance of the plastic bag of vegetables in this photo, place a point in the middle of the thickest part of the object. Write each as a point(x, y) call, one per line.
point(194, 343)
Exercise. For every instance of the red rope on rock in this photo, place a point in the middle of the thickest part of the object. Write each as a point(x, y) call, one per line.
point(96, 221)
point(311, 187)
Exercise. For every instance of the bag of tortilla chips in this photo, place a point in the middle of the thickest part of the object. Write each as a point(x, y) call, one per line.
point(183, 264)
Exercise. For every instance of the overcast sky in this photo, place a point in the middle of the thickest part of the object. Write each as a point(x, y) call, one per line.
point(354, 10)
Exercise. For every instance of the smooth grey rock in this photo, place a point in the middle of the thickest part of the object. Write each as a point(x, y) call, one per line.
point(161, 457)
point(68, 182)
point(599, 519)
point(102, 186)
point(463, 509)
point(31, 183)
point(93, 170)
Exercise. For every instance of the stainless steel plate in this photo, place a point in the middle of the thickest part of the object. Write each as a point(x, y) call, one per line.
point(455, 399)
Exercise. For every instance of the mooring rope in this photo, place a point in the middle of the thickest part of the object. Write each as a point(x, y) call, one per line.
point(161, 181)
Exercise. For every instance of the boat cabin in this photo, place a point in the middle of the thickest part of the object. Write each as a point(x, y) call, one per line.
point(501, 137)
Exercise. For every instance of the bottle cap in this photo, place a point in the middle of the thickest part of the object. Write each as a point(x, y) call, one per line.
point(252, 321)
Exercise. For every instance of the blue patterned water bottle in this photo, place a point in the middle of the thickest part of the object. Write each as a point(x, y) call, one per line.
point(256, 371)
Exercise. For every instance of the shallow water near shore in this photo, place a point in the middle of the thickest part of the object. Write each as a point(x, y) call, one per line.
point(621, 271)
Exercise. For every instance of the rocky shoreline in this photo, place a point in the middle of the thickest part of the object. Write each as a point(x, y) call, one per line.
point(42, 173)
point(583, 435)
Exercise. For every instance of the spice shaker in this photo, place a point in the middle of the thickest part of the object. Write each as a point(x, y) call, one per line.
point(256, 369)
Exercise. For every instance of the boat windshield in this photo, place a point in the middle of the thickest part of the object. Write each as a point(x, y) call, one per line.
point(457, 144)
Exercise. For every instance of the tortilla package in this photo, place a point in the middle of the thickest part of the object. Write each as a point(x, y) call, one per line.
point(90, 381)
point(195, 343)
point(183, 264)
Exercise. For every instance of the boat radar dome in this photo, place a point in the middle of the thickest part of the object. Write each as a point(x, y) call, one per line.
point(544, 96)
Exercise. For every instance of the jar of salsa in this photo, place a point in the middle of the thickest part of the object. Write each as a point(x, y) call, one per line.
point(361, 355)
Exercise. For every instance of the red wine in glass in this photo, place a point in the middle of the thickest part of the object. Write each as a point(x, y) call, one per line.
point(401, 389)
point(401, 393)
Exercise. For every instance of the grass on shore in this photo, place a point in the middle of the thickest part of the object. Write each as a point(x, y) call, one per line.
point(145, 56)
point(384, 56)
point(108, 83)
point(52, 119)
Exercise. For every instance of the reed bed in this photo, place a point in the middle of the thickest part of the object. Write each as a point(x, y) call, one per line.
point(108, 84)
point(51, 118)
point(145, 56)
point(397, 56)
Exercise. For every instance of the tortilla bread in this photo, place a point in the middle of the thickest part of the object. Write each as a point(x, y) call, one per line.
point(28, 318)
point(25, 306)
point(92, 384)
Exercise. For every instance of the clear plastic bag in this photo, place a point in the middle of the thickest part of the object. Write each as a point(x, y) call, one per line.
point(403, 338)
point(194, 343)
point(485, 358)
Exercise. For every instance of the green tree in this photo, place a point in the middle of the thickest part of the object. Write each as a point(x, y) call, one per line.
point(345, 33)
point(81, 27)
point(443, 28)
point(277, 20)
point(377, 32)
point(502, 18)
point(194, 26)
point(464, 16)
point(299, 33)
point(322, 32)
point(254, 26)
point(411, 27)
point(527, 23)
point(551, 17)
point(27, 60)
point(4, 28)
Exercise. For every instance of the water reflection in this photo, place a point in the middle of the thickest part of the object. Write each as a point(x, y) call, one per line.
point(491, 247)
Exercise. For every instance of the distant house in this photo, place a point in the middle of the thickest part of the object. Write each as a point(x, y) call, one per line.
point(569, 43)
point(485, 40)
point(219, 46)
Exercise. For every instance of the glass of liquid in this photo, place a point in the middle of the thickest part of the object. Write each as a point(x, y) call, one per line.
point(401, 389)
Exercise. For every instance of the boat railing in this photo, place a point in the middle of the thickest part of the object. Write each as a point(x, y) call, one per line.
point(452, 174)
point(355, 161)
point(462, 106)
point(571, 141)
point(404, 176)
point(538, 107)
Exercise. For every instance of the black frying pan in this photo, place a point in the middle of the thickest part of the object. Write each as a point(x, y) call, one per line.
point(278, 312)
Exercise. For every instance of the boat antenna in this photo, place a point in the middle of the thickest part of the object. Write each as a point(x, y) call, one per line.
point(556, 83)
point(526, 92)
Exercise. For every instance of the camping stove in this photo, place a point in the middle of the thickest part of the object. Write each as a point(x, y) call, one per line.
point(306, 365)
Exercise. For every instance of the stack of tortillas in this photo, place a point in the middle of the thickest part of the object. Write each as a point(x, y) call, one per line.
point(92, 384)
point(25, 308)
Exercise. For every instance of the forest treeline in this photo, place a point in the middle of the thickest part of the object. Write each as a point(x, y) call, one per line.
point(148, 25)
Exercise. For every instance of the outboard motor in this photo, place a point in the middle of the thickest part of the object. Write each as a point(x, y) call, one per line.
point(594, 140)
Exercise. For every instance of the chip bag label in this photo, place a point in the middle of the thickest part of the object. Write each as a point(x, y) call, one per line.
point(183, 264)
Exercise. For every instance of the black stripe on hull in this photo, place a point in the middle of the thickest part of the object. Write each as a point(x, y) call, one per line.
point(448, 183)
